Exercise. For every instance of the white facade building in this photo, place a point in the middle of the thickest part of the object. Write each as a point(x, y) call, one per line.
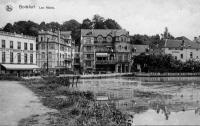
point(182, 49)
point(60, 48)
point(17, 53)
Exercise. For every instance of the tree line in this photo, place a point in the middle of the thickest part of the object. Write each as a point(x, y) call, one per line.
point(31, 28)
point(164, 63)
point(97, 22)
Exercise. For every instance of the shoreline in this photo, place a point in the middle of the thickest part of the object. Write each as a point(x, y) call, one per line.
point(73, 107)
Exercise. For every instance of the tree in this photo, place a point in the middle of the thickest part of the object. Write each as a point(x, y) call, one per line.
point(167, 35)
point(42, 26)
point(53, 26)
point(86, 24)
point(98, 22)
point(8, 28)
point(73, 26)
point(111, 24)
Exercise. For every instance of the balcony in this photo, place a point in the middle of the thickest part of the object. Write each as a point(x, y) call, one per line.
point(122, 61)
point(106, 62)
point(68, 59)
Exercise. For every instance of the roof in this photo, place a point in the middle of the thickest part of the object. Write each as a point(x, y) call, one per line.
point(140, 48)
point(19, 66)
point(104, 32)
point(66, 34)
point(183, 38)
point(180, 43)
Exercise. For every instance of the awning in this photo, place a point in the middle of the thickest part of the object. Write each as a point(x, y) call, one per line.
point(19, 66)
point(102, 54)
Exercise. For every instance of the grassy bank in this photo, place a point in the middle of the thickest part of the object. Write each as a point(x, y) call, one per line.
point(74, 108)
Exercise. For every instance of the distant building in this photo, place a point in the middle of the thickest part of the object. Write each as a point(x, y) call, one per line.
point(182, 49)
point(196, 39)
point(59, 51)
point(139, 49)
point(105, 50)
point(17, 53)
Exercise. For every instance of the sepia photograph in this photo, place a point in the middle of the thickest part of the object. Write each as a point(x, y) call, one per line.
point(99, 62)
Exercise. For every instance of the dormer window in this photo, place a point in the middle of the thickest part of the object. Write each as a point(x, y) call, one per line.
point(100, 39)
point(109, 39)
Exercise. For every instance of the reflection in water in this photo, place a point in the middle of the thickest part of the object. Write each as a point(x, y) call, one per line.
point(166, 96)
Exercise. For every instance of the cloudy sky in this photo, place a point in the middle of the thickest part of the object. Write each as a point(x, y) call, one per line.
point(137, 16)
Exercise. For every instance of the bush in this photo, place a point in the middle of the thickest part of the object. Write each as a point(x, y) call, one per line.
point(10, 77)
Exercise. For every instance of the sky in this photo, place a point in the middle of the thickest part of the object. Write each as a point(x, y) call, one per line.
point(137, 16)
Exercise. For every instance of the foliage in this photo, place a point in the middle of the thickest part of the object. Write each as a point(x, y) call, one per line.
point(75, 108)
point(86, 24)
point(32, 28)
point(164, 63)
point(10, 77)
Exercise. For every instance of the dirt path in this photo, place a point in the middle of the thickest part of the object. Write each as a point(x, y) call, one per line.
point(18, 102)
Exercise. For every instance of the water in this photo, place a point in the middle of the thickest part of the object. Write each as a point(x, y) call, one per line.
point(152, 101)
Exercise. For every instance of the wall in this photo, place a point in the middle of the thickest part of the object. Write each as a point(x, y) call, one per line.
point(15, 50)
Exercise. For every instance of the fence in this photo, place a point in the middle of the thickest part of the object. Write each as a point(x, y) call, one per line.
point(165, 74)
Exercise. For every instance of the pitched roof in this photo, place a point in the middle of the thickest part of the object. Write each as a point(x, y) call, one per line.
point(66, 34)
point(104, 32)
point(181, 43)
point(183, 38)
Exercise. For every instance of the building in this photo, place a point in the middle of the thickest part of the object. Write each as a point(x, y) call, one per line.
point(77, 66)
point(182, 49)
point(105, 51)
point(17, 53)
point(139, 49)
point(56, 48)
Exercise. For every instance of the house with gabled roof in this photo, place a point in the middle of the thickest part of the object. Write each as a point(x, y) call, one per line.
point(183, 50)
point(105, 50)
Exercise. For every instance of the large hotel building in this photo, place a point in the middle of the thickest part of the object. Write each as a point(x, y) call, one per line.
point(17, 53)
point(56, 48)
point(105, 51)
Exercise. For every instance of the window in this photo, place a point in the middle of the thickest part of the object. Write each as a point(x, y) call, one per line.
point(31, 58)
point(3, 44)
point(11, 57)
point(3, 57)
point(25, 58)
point(41, 38)
point(19, 57)
point(31, 46)
point(126, 48)
point(88, 48)
point(62, 48)
point(119, 47)
point(18, 45)
point(25, 46)
point(88, 63)
point(43, 46)
point(120, 57)
point(11, 44)
point(181, 56)
point(109, 39)
point(50, 55)
point(100, 39)
point(88, 56)
point(87, 40)
point(43, 55)
point(126, 57)
point(51, 46)
point(191, 55)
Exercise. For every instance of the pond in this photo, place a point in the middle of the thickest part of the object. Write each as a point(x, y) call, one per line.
point(151, 100)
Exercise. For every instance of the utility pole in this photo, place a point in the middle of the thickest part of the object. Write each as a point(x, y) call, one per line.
point(47, 55)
